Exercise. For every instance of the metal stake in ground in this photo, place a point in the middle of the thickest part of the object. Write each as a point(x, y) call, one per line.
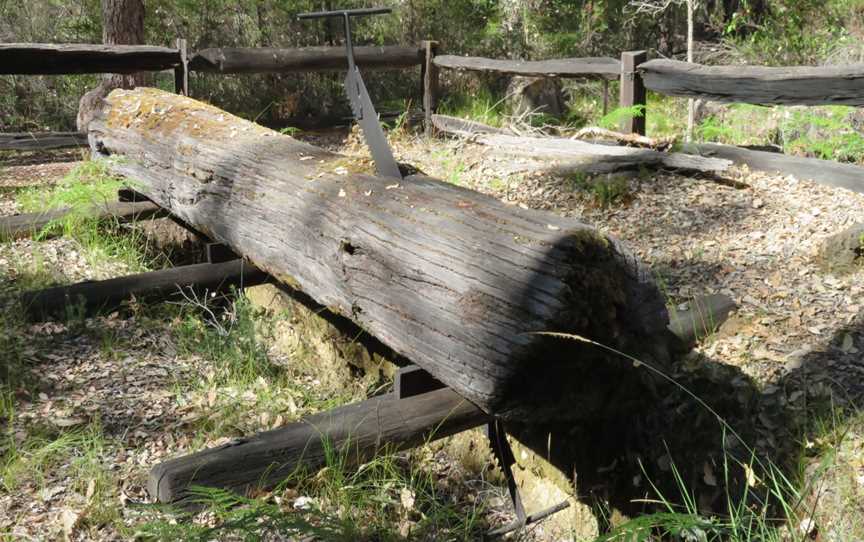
point(358, 96)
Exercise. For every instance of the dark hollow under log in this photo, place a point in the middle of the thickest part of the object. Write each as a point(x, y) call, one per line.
point(109, 294)
point(451, 279)
point(302, 59)
point(354, 432)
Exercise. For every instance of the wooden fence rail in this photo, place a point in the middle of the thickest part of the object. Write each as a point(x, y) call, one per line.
point(797, 85)
point(60, 59)
point(607, 68)
point(302, 59)
point(27, 141)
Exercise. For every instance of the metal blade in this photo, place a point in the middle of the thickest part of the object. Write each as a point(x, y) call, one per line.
point(367, 118)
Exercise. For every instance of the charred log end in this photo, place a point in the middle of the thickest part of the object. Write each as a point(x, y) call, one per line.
point(608, 301)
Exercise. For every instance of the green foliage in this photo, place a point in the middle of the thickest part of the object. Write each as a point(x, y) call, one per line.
point(370, 502)
point(605, 190)
point(828, 134)
point(481, 106)
point(613, 119)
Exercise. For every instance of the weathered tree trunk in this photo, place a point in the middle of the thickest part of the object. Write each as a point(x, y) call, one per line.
point(122, 24)
point(453, 280)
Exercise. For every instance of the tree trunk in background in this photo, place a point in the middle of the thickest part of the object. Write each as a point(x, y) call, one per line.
point(122, 24)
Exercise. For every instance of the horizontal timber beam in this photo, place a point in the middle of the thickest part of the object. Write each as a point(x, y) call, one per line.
point(31, 141)
point(28, 224)
point(55, 59)
point(302, 59)
point(608, 68)
point(358, 431)
point(794, 85)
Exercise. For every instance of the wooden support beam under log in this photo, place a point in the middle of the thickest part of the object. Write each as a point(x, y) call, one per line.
point(303, 59)
point(607, 68)
point(358, 431)
point(35, 141)
point(29, 224)
point(792, 85)
point(454, 280)
point(58, 59)
point(105, 295)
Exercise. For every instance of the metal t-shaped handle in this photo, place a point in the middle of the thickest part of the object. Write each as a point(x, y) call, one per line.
point(358, 96)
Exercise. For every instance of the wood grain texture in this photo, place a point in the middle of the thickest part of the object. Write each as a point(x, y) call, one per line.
point(826, 172)
point(28, 224)
point(103, 295)
point(608, 68)
point(302, 59)
point(449, 278)
point(356, 432)
point(801, 85)
point(53, 59)
point(28, 141)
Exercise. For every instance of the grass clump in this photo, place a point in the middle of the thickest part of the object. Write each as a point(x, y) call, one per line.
point(480, 106)
point(87, 185)
point(392, 497)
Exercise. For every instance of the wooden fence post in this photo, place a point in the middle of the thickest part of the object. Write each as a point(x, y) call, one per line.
point(181, 72)
point(430, 85)
point(633, 91)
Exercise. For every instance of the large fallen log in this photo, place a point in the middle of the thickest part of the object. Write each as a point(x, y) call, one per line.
point(802, 85)
point(577, 155)
point(453, 280)
point(51, 58)
point(28, 141)
point(103, 295)
point(354, 433)
point(28, 224)
point(608, 68)
point(302, 59)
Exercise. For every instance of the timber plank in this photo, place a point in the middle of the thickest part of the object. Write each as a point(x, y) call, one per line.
point(608, 68)
point(70, 58)
point(794, 85)
point(28, 141)
point(302, 59)
point(357, 431)
point(28, 224)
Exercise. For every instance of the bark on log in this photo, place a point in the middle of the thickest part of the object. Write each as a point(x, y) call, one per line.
point(449, 278)
point(304, 59)
point(28, 141)
point(607, 68)
point(25, 225)
point(358, 431)
point(825, 172)
point(801, 85)
point(109, 294)
point(580, 155)
point(54, 59)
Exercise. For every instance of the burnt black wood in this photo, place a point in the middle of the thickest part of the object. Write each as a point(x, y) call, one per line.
point(449, 278)
point(27, 141)
point(356, 431)
point(52, 58)
point(802, 85)
point(28, 224)
point(304, 59)
point(608, 68)
point(109, 294)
